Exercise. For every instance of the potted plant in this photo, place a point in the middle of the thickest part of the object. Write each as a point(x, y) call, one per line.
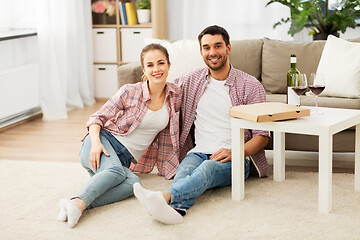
point(143, 10)
point(317, 15)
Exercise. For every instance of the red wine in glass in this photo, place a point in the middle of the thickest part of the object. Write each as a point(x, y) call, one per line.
point(317, 89)
point(317, 86)
point(299, 90)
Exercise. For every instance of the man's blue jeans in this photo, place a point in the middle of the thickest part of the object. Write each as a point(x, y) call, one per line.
point(112, 181)
point(195, 174)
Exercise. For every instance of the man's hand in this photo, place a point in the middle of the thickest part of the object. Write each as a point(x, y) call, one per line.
point(222, 155)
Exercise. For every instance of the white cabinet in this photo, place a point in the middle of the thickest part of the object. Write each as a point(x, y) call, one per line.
point(106, 84)
point(132, 42)
point(105, 47)
point(105, 51)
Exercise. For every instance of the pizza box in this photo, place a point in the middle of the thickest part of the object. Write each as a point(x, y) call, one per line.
point(268, 112)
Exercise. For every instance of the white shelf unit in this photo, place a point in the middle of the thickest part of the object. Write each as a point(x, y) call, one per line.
point(117, 44)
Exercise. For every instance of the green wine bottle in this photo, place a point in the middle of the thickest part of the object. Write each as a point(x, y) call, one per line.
point(293, 76)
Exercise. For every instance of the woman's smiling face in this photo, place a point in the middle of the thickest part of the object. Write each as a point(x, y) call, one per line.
point(156, 66)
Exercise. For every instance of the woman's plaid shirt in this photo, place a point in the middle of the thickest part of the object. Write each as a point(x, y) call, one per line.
point(122, 113)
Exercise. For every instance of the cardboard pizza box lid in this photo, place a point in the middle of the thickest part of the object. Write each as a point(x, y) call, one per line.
point(268, 112)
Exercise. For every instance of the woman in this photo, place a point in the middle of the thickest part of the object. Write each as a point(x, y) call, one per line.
point(139, 124)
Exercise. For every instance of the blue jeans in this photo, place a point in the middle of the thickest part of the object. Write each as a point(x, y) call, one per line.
point(112, 181)
point(195, 174)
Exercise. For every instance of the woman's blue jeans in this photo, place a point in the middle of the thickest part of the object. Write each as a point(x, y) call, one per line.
point(112, 181)
point(195, 174)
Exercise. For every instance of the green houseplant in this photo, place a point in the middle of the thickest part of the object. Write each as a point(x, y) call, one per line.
point(143, 4)
point(317, 15)
point(143, 10)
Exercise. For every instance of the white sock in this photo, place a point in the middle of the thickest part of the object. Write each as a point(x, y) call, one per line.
point(62, 216)
point(140, 193)
point(160, 210)
point(73, 213)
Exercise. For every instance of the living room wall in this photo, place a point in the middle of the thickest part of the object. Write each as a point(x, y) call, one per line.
point(243, 19)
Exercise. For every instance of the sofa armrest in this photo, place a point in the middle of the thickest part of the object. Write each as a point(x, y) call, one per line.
point(129, 73)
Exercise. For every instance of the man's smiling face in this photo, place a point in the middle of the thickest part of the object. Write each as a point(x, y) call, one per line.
point(214, 51)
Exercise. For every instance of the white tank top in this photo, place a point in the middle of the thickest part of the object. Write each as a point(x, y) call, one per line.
point(143, 135)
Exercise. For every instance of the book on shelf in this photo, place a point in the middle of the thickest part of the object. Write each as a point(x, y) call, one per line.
point(131, 13)
point(123, 16)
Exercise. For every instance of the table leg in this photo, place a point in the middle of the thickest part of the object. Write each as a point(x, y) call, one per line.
point(325, 173)
point(279, 156)
point(237, 164)
point(357, 158)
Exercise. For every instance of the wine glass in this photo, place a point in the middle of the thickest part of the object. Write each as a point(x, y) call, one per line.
point(299, 84)
point(317, 86)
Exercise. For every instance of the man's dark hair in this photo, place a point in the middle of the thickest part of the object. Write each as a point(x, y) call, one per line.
point(215, 30)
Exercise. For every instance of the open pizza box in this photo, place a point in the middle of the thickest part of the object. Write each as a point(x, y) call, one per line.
point(268, 112)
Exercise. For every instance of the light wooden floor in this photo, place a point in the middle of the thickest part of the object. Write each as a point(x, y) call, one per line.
point(60, 140)
point(40, 140)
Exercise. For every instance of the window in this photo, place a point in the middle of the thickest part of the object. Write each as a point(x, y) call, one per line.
point(20, 14)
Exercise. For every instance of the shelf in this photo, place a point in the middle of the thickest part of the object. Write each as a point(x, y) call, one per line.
point(111, 63)
point(107, 63)
point(142, 25)
point(104, 26)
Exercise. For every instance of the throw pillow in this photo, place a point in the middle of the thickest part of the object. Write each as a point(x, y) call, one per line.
point(340, 66)
point(184, 56)
point(276, 61)
point(246, 56)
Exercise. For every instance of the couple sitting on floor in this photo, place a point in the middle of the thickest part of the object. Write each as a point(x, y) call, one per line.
point(140, 125)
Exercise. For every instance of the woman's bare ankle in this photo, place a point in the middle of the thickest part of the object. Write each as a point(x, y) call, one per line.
point(167, 196)
point(79, 203)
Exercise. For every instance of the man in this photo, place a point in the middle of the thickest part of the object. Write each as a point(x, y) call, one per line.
point(208, 94)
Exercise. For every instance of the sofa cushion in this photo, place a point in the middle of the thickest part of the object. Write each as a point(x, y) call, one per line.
point(129, 73)
point(339, 67)
point(246, 56)
point(276, 61)
point(332, 102)
point(355, 40)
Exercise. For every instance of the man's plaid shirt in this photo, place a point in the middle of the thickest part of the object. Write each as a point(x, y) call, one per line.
point(244, 89)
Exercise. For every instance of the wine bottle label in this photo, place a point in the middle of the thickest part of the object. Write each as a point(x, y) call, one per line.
point(292, 59)
point(292, 97)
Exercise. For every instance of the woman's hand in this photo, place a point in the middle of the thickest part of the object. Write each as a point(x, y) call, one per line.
point(95, 153)
point(96, 146)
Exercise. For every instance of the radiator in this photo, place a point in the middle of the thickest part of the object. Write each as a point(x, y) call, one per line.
point(19, 93)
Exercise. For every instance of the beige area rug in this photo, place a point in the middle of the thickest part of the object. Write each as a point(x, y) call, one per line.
point(30, 192)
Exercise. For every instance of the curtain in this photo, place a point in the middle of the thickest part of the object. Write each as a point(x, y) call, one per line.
point(243, 19)
point(65, 55)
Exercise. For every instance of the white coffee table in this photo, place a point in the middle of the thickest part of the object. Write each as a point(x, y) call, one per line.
point(325, 126)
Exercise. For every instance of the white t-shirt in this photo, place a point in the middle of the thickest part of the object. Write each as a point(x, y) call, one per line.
point(212, 121)
point(143, 135)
